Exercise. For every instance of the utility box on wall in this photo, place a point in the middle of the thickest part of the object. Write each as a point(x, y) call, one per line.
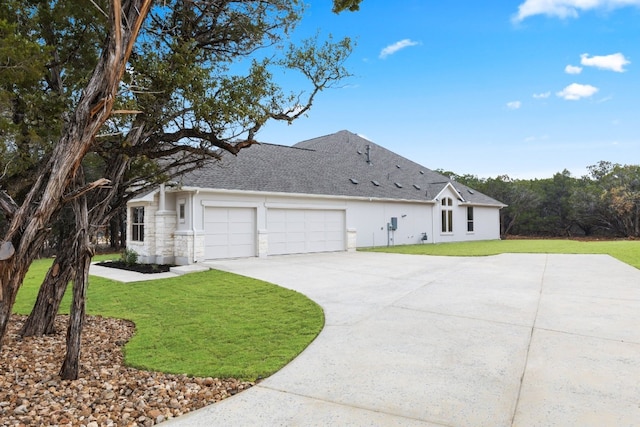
point(394, 223)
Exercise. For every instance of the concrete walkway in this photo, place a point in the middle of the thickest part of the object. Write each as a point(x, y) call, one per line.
point(126, 276)
point(508, 340)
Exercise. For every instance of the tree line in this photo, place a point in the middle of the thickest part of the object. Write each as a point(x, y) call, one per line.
point(604, 203)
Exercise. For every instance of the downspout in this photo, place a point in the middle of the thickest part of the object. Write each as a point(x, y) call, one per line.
point(193, 223)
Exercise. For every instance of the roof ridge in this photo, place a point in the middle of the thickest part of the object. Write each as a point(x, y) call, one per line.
point(286, 146)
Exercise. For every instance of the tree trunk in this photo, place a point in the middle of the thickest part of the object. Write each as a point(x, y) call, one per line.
point(42, 318)
point(29, 224)
point(117, 227)
point(510, 225)
point(41, 321)
point(12, 272)
point(82, 254)
point(122, 221)
point(114, 235)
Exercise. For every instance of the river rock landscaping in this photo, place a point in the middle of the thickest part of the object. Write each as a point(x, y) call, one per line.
point(107, 393)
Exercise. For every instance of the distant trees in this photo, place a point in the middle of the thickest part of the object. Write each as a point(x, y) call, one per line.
point(619, 189)
point(606, 202)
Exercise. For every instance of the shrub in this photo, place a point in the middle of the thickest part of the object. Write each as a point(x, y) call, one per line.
point(129, 257)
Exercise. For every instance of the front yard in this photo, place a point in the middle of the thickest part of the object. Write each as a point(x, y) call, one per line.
point(202, 324)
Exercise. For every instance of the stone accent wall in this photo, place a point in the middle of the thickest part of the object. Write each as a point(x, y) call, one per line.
point(183, 247)
point(164, 236)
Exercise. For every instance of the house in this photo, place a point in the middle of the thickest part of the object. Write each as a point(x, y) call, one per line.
point(333, 193)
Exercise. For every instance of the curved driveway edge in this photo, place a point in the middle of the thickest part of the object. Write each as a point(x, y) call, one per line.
point(507, 340)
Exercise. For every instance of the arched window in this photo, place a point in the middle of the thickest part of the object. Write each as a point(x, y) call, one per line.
point(447, 215)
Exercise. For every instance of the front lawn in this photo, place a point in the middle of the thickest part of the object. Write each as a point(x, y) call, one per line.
point(625, 250)
point(209, 324)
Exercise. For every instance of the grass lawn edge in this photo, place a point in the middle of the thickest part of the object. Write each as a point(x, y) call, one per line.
point(207, 324)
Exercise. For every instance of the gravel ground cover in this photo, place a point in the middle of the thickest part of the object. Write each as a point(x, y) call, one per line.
point(107, 392)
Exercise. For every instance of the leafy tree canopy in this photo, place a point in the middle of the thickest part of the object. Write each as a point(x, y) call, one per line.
point(184, 96)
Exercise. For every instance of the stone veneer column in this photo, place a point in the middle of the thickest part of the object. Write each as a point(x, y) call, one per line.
point(164, 236)
point(183, 247)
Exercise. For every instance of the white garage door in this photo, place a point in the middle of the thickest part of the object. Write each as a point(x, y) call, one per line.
point(229, 232)
point(295, 231)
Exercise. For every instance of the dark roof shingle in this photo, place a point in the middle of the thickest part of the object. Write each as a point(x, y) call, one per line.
point(342, 164)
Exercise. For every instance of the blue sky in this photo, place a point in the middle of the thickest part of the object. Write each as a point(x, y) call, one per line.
point(525, 88)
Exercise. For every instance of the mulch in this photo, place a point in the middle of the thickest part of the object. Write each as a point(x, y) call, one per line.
point(139, 268)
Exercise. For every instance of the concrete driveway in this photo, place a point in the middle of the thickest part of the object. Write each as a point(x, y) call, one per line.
point(507, 340)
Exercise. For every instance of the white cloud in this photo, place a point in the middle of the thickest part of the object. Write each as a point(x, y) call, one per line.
point(543, 95)
point(572, 69)
point(514, 105)
point(393, 48)
point(576, 91)
point(614, 62)
point(567, 8)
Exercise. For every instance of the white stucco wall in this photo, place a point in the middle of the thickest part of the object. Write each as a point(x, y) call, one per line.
point(486, 224)
point(183, 241)
point(370, 219)
point(486, 220)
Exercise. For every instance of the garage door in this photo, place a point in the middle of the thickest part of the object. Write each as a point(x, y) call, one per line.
point(229, 232)
point(295, 231)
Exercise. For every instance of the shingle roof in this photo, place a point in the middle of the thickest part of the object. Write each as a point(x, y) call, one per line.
point(335, 164)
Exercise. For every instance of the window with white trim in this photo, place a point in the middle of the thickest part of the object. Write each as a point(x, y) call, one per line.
point(137, 224)
point(447, 215)
point(469, 219)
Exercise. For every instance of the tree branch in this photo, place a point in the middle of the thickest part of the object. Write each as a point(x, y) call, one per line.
point(83, 190)
point(7, 204)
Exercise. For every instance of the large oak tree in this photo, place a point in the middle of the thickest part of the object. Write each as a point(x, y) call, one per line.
point(159, 98)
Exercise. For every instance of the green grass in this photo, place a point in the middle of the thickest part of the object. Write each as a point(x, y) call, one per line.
point(202, 324)
point(625, 250)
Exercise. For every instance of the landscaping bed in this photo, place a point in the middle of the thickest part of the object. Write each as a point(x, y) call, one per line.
point(139, 268)
point(107, 393)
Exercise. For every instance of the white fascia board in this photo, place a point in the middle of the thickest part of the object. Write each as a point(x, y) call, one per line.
point(149, 197)
point(453, 189)
point(484, 205)
point(306, 195)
